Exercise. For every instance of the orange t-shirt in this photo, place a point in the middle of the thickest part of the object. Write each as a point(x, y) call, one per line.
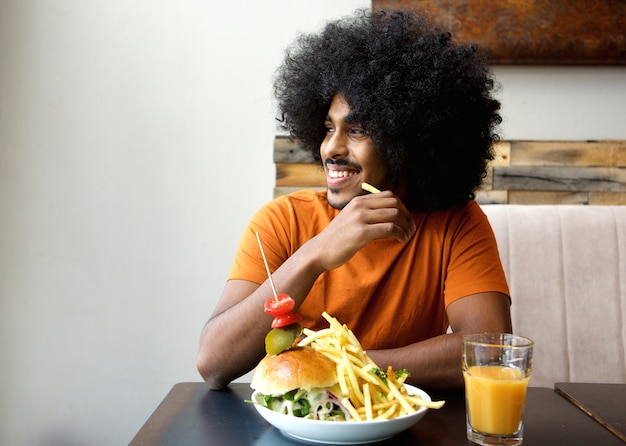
point(390, 294)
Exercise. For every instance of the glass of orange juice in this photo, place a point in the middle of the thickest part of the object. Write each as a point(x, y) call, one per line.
point(496, 369)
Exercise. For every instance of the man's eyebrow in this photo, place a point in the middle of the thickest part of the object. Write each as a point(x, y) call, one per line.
point(349, 118)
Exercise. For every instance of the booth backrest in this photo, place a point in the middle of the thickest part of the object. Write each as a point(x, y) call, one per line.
point(566, 267)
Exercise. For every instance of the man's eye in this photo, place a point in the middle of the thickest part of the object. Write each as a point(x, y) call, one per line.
point(329, 129)
point(359, 131)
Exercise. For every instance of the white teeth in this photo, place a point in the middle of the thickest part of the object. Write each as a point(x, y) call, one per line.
point(340, 173)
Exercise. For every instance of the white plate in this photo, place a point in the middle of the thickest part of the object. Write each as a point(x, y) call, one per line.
point(342, 432)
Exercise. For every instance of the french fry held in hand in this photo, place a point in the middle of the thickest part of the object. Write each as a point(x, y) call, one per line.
point(369, 393)
point(368, 187)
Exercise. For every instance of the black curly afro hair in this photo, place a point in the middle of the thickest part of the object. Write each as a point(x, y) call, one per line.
point(425, 100)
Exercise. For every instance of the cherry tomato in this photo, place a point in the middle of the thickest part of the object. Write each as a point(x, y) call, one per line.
point(276, 307)
point(283, 320)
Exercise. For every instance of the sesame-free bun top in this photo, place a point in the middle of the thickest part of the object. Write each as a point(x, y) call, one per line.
point(296, 368)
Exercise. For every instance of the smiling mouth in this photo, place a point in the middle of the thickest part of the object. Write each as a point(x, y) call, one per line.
point(341, 173)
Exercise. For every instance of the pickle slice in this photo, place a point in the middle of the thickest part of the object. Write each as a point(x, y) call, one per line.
point(280, 339)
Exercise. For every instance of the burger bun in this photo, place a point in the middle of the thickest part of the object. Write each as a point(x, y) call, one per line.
point(296, 368)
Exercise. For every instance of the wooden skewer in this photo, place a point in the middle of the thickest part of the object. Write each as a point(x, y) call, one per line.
point(267, 268)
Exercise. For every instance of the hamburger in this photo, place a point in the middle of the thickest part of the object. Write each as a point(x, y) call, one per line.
point(300, 382)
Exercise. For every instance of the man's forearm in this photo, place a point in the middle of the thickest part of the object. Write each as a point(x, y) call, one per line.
point(232, 341)
point(433, 363)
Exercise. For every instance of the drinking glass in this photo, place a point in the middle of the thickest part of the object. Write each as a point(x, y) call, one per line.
point(496, 370)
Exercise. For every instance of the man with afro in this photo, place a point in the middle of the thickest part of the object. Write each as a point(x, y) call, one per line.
point(389, 99)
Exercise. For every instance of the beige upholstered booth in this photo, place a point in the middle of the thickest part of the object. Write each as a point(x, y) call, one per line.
point(566, 266)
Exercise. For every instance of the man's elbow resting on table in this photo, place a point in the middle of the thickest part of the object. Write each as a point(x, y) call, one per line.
point(212, 376)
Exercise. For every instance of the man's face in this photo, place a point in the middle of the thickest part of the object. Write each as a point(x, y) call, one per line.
point(348, 155)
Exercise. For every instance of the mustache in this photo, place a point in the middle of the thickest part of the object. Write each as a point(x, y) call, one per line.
point(342, 162)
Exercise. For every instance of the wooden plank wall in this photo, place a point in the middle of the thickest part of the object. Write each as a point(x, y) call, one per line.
point(524, 172)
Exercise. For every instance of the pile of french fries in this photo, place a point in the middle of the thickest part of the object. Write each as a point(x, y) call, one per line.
point(366, 394)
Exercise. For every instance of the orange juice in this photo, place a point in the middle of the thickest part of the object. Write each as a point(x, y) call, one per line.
point(495, 398)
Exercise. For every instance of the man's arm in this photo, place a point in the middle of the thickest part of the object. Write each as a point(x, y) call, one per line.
point(436, 362)
point(232, 341)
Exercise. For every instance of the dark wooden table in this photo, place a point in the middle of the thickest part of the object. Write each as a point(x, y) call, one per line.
point(605, 403)
point(193, 415)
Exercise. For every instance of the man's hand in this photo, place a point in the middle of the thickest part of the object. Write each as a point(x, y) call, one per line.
point(365, 218)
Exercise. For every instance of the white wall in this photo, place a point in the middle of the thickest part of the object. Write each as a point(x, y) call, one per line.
point(563, 103)
point(135, 143)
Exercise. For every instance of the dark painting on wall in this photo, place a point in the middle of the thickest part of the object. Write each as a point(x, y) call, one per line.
point(573, 32)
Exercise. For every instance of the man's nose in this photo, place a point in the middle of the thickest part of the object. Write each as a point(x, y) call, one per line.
point(335, 146)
